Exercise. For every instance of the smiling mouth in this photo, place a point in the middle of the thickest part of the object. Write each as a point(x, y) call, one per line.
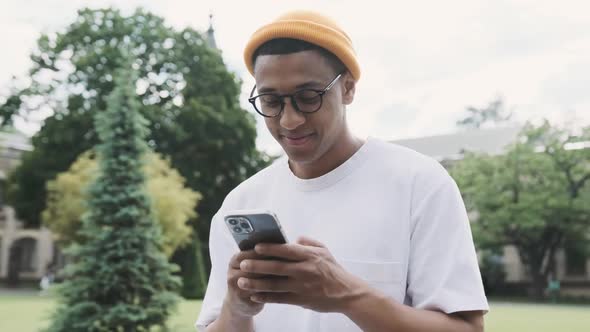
point(296, 139)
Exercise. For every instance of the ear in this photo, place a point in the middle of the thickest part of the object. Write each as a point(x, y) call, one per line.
point(348, 89)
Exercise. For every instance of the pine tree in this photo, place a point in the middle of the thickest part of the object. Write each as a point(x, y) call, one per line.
point(120, 279)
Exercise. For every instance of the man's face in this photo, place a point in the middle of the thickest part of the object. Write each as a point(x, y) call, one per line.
point(304, 137)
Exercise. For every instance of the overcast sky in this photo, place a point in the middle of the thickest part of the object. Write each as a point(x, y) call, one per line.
point(423, 62)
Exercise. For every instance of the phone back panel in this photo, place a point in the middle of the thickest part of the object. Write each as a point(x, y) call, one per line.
point(261, 228)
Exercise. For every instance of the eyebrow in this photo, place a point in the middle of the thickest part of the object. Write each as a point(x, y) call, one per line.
point(310, 84)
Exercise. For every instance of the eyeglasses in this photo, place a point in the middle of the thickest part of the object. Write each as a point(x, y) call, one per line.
point(271, 105)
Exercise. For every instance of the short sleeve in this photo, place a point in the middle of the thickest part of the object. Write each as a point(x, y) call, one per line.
point(443, 270)
point(221, 249)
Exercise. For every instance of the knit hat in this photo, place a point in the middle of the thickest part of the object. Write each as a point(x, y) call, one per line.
point(311, 27)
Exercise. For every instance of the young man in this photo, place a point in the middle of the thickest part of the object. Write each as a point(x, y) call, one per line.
point(384, 242)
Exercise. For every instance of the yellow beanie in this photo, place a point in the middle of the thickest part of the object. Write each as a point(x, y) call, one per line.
point(310, 27)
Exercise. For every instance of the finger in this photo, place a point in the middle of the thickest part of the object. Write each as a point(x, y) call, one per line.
point(237, 274)
point(285, 298)
point(306, 241)
point(244, 294)
point(240, 256)
point(292, 252)
point(272, 285)
point(272, 267)
point(232, 284)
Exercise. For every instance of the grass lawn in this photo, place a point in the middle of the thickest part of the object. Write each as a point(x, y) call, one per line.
point(521, 317)
point(29, 312)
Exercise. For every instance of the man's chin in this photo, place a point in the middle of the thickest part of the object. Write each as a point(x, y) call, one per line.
point(299, 156)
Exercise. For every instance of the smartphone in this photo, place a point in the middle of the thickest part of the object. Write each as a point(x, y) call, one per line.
point(250, 227)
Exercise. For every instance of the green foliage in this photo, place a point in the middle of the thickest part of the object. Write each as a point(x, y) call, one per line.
point(534, 197)
point(195, 284)
point(120, 280)
point(184, 89)
point(173, 204)
point(492, 270)
point(10, 108)
point(494, 113)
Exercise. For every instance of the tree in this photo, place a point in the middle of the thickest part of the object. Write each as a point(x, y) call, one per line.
point(121, 280)
point(533, 197)
point(10, 106)
point(185, 90)
point(173, 204)
point(494, 113)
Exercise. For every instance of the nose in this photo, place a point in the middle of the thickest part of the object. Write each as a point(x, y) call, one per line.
point(290, 118)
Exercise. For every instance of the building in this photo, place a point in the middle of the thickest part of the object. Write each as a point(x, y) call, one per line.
point(572, 270)
point(25, 254)
point(210, 36)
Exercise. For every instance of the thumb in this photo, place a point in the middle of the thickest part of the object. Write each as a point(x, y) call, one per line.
point(306, 241)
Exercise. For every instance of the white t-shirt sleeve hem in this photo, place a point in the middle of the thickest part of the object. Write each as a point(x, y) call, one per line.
point(453, 308)
point(205, 320)
point(475, 307)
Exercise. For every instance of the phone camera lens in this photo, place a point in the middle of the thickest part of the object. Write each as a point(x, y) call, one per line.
point(232, 222)
point(245, 225)
point(237, 229)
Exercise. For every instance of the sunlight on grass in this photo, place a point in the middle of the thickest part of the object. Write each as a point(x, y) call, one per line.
point(29, 313)
point(520, 317)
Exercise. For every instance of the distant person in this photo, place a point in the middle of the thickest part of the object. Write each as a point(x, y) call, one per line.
point(44, 284)
point(47, 278)
point(384, 242)
point(553, 288)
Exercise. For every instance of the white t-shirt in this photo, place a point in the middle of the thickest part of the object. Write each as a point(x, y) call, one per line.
point(389, 215)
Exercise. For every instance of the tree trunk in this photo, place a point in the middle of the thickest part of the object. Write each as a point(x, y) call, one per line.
point(538, 285)
point(534, 262)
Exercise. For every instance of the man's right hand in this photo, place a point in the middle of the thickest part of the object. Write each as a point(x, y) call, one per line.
point(237, 299)
point(238, 310)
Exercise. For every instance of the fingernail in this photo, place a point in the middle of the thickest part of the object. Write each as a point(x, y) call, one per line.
point(244, 265)
point(256, 298)
point(242, 282)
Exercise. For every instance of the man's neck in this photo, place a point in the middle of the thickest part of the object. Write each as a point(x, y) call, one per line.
point(338, 154)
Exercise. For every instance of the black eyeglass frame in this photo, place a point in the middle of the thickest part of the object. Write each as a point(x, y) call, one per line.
point(291, 96)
